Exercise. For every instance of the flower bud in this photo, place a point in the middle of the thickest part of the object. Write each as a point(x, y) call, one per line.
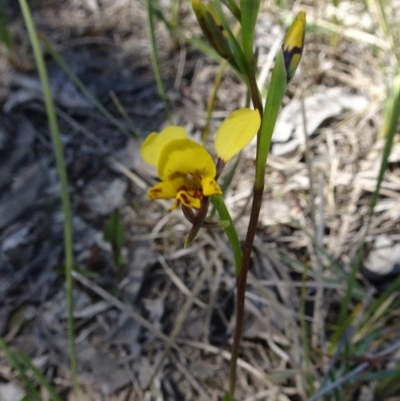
point(293, 44)
point(212, 28)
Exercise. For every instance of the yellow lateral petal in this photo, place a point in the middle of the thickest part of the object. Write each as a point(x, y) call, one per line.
point(186, 158)
point(163, 190)
point(187, 199)
point(210, 187)
point(236, 132)
point(153, 145)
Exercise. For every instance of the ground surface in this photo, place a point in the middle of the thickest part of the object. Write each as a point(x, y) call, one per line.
point(188, 294)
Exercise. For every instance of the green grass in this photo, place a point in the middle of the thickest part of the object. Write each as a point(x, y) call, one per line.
point(63, 179)
point(155, 60)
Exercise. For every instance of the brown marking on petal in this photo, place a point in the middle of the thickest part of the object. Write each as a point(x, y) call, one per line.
point(184, 198)
point(195, 193)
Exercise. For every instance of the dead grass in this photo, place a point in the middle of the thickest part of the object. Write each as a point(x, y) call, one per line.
point(160, 328)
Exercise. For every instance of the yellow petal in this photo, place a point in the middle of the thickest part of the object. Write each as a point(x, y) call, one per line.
point(154, 143)
point(163, 190)
point(189, 199)
point(210, 187)
point(236, 132)
point(293, 44)
point(186, 158)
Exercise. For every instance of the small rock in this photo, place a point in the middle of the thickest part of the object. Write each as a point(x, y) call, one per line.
point(11, 392)
point(104, 197)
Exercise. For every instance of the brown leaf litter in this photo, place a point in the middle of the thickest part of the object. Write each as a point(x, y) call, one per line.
point(161, 326)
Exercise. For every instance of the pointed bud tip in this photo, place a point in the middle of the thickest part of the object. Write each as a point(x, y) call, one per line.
point(293, 44)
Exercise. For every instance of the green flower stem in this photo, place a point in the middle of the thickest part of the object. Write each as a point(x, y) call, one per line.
point(272, 106)
point(230, 230)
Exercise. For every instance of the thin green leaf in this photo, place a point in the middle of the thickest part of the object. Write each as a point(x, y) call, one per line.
point(392, 374)
point(12, 358)
point(175, 12)
point(388, 294)
point(223, 212)
point(4, 31)
point(114, 234)
point(249, 13)
point(125, 115)
point(198, 43)
point(155, 59)
point(227, 180)
point(212, 29)
point(273, 103)
point(38, 376)
point(233, 8)
point(390, 384)
point(80, 85)
point(62, 176)
point(392, 130)
point(237, 61)
point(212, 99)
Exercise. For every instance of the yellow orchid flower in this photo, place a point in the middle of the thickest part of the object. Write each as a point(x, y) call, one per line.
point(186, 169)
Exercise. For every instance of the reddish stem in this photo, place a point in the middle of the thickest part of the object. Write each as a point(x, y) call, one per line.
point(248, 246)
point(241, 285)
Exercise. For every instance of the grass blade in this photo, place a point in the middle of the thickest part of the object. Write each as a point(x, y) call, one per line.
point(154, 57)
point(125, 115)
point(212, 99)
point(39, 376)
point(62, 176)
point(81, 86)
point(10, 355)
point(230, 230)
point(392, 129)
point(4, 32)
